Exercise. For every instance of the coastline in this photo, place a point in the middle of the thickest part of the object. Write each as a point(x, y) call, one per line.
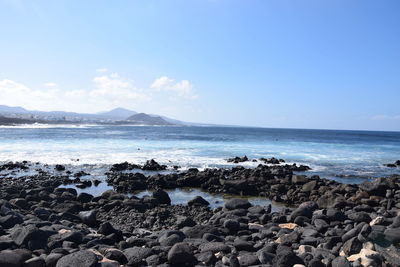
point(324, 223)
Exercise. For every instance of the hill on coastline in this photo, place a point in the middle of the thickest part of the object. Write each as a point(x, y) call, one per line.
point(145, 119)
point(19, 115)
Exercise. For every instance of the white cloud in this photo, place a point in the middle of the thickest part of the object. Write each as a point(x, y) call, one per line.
point(182, 88)
point(50, 84)
point(101, 70)
point(108, 90)
point(17, 94)
point(116, 89)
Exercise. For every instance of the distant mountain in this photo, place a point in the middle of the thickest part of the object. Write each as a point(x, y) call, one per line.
point(145, 119)
point(7, 109)
point(115, 116)
point(118, 113)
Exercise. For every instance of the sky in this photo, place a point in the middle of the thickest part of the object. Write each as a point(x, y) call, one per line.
point(285, 64)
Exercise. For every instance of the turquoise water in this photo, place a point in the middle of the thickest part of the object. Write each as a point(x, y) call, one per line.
point(350, 156)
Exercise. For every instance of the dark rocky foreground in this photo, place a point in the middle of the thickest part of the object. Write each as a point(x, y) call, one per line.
point(331, 224)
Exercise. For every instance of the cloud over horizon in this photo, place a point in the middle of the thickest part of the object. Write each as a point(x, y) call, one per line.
point(109, 90)
point(182, 88)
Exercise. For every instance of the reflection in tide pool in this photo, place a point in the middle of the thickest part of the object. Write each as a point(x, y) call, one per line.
point(181, 196)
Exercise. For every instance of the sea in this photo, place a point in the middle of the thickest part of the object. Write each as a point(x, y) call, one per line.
point(345, 156)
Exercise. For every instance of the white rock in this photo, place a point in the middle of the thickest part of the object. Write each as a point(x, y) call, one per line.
point(378, 220)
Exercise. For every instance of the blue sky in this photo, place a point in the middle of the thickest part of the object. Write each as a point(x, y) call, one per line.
point(297, 64)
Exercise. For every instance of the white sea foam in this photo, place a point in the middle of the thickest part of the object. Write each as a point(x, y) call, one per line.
point(46, 126)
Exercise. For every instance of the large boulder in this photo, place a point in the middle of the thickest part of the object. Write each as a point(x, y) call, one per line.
point(10, 220)
point(152, 165)
point(29, 236)
point(83, 258)
point(181, 255)
point(351, 246)
point(136, 256)
point(88, 217)
point(162, 197)
point(198, 201)
point(13, 258)
point(341, 262)
point(305, 209)
point(286, 257)
point(237, 203)
point(199, 230)
point(377, 187)
point(393, 235)
point(360, 216)
point(310, 186)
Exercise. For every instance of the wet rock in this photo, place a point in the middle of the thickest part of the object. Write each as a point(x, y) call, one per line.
point(238, 159)
point(152, 165)
point(237, 203)
point(59, 168)
point(123, 167)
point(198, 201)
point(162, 197)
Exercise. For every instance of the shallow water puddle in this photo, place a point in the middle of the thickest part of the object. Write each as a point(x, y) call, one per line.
point(181, 196)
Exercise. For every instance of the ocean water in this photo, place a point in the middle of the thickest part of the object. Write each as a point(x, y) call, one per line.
point(347, 156)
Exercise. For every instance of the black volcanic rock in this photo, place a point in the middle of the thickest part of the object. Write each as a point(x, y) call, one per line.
point(238, 159)
point(199, 201)
point(82, 258)
point(42, 222)
point(181, 255)
point(162, 197)
point(152, 165)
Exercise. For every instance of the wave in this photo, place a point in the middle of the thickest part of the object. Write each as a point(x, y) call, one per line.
point(41, 125)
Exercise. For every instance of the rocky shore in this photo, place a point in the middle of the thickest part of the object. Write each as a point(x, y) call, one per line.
point(326, 223)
